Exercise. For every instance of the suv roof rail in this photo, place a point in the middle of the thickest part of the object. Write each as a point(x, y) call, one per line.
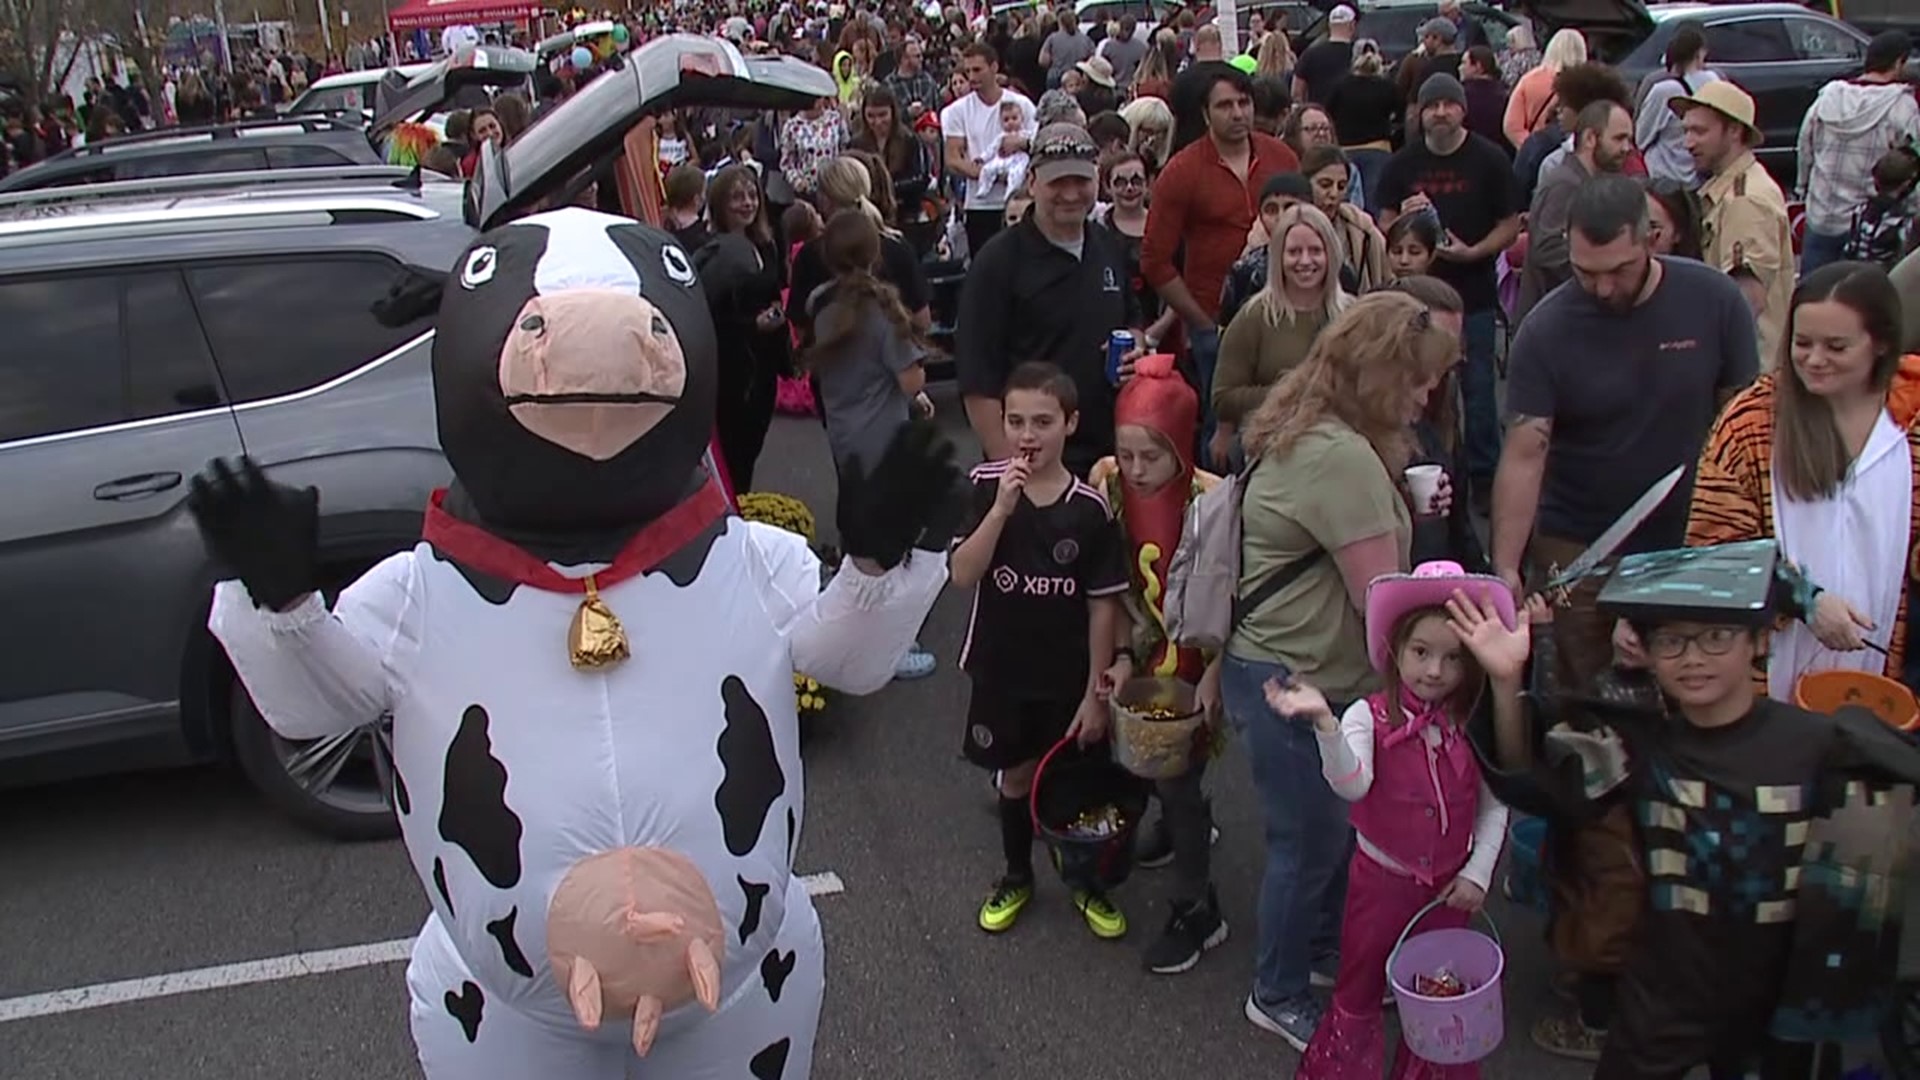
point(401, 178)
point(306, 122)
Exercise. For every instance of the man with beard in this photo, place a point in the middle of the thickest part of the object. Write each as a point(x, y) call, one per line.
point(1746, 229)
point(1467, 182)
point(1602, 139)
point(1622, 375)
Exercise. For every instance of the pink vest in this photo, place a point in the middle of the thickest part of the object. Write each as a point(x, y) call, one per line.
point(1420, 809)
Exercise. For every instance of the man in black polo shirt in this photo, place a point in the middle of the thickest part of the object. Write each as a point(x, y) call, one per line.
point(1051, 288)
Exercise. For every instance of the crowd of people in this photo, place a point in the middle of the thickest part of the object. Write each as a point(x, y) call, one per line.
point(1314, 258)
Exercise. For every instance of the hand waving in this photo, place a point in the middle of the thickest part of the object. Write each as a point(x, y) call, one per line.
point(1502, 653)
point(268, 534)
point(904, 501)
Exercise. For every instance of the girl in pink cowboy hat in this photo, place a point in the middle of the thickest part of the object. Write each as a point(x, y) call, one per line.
point(1427, 826)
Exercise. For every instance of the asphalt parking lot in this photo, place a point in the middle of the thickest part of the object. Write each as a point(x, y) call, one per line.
point(159, 877)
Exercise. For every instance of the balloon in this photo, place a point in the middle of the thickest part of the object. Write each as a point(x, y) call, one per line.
point(619, 33)
point(582, 57)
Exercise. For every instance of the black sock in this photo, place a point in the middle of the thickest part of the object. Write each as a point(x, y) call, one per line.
point(1016, 837)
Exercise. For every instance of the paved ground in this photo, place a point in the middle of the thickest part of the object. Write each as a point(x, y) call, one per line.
point(136, 877)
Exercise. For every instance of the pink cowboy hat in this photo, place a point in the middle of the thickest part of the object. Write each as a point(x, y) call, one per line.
point(1391, 596)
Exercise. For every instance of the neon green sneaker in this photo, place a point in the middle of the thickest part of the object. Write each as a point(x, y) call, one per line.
point(1003, 905)
point(1103, 918)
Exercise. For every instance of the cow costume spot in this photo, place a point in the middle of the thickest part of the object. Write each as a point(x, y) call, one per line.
point(591, 822)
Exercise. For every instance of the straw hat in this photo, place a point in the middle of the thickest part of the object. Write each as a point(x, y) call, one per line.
point(1097, 69)
point(1724, 98)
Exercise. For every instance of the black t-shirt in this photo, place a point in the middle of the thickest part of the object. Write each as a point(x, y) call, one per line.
point(898, 268)
point(1321, 66)
point(1473, 190)
point(1027, 635)
point(1026, 298)
point(1363, 108)
point(1630, 395)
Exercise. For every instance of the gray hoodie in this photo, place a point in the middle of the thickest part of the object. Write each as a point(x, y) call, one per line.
point(1851, 124)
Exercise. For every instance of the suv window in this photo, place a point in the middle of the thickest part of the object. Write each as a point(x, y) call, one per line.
point(283, 325)
point(61, 370)
point(304, 157)
point(234, 159)
point(169, 368)
point(1816, 40)
point(1749, 41)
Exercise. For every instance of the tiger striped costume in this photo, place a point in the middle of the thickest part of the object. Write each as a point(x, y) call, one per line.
point(1733, 492)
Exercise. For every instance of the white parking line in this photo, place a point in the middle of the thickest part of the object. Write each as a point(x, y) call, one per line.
point(272, 969)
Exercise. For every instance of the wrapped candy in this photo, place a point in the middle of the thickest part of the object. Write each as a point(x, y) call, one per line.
point(1096, 824)
point(1441, 984)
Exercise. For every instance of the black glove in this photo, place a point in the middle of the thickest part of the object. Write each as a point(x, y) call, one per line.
point(266, 533)
point(888, 510)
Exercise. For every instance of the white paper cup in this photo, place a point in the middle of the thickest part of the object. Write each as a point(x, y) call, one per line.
point(1423, 484)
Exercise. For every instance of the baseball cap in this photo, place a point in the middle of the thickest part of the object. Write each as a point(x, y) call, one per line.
point(1063, 150)
point(1340, 15)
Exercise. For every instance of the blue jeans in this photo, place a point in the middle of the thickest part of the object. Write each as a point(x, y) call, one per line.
point(1819, 249)
point(1479, 407)
point(1206, 353)
point(1303, 888)
point(1371, 164)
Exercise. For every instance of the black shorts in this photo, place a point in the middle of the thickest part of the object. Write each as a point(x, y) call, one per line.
point(1004, 731)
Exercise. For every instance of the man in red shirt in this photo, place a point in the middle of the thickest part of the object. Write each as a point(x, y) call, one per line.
point(1207, 198)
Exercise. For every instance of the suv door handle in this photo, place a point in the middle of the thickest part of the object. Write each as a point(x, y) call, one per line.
point(133, 487)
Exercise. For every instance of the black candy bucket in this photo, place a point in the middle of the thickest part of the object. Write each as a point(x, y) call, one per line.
point(1072, 782)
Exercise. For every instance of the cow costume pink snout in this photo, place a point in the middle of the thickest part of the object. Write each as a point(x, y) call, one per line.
point(634, 932)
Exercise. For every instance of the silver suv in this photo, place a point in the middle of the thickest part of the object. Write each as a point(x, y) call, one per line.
point(148, 327)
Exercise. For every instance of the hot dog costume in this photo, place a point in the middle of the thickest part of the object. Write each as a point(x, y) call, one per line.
point(589, 663)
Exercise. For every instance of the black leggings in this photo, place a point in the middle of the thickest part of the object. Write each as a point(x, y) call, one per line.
point(743, 414)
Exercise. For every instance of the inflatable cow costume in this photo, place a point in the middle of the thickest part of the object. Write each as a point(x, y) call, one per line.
point(589, 665)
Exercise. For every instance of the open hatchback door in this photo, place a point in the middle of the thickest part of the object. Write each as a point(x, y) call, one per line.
point(399, 99)
point(604, 133)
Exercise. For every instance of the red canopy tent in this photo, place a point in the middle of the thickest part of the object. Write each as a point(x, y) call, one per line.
point(436, 14)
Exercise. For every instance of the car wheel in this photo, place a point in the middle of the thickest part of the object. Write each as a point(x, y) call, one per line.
point(1900, 1039)
point(340, 786)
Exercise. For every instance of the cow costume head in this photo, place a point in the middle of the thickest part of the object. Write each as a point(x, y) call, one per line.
point(574, 373)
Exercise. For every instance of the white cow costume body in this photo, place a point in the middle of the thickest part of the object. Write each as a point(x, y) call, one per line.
point(514, 763)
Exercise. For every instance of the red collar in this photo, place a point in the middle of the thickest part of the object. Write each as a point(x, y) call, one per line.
point(476, 548)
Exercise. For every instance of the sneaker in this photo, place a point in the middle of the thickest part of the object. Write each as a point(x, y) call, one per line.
point(1567, 1037)
point(1009, 896)
point(1103, 918)
point(1293, 1020)
point(1325, 971)
point(1191, 930)
point(918, 663)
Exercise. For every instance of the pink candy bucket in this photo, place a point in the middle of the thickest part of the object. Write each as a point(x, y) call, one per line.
point(1449, 1030)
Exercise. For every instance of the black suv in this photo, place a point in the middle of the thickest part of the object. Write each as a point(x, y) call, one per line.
point(294, 142)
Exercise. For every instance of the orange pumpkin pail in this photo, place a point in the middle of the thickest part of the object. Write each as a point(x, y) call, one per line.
point(1827, 691)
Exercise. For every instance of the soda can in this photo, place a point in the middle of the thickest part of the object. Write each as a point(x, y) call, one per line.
point(1119, 344)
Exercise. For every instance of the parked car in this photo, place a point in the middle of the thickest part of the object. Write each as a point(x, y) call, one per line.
point(1781, 53)
point(1395, 24)
point(292, 142)
point(154, 324)
point(349, 93)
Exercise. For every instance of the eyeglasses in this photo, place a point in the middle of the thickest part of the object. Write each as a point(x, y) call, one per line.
point(1713, 641)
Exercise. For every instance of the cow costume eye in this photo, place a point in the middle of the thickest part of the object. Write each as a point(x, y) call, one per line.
point(679, 267)
point(533, 324)
point(481, 263)
point(660, 327)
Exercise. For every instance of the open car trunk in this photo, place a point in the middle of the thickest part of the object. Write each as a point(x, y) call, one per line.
point(1612, 27)
point(398, 99)
point(589, 132)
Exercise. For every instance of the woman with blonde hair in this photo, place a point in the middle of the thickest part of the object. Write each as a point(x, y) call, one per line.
point(1151, 123)
point(1324, 512)
point(1275, 59)
point(1519, 55)
point(1276, 329)
point(846, 184)
point(1154, 77)
point(1532, 105)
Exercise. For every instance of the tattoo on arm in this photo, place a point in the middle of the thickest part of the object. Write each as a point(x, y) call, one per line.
point(1540, 425)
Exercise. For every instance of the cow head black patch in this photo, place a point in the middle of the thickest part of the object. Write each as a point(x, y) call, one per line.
point(467, 1006)
point(474, 815)
point(771, 1063)
point(752, 778)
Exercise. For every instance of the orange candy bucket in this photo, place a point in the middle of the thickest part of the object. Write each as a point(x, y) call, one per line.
point(1827, 691)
